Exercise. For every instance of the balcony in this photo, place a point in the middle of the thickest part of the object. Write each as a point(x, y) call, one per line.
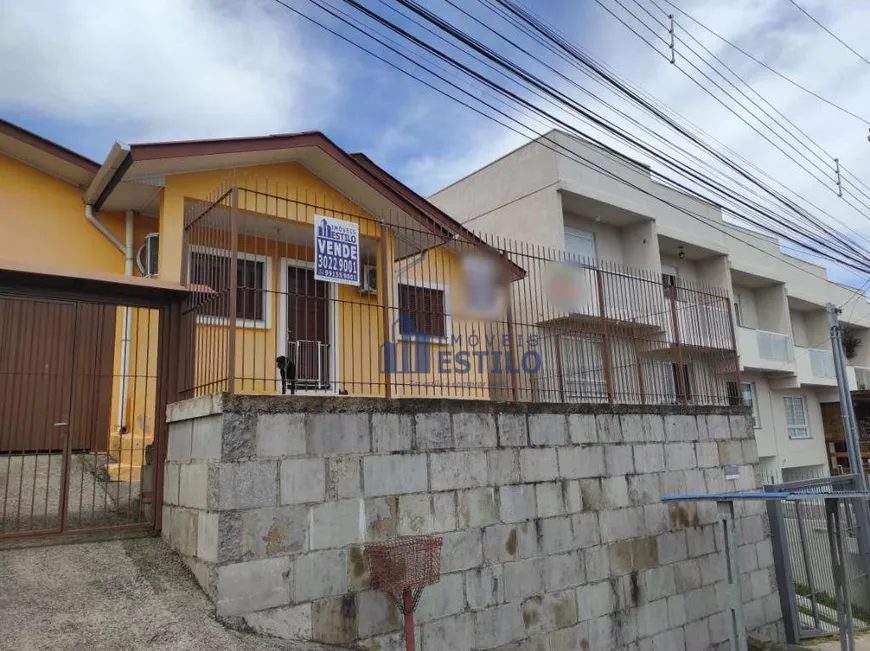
point(583, 292)
point(702, 325)
point(815, 366)
point(765, 351)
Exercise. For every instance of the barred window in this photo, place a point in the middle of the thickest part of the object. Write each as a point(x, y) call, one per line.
point(422, 311)
point(212, 270)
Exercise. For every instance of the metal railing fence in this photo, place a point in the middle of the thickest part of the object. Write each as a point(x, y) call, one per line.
point(435, 313)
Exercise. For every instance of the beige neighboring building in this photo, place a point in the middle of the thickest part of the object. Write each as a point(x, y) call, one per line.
point(537, 195)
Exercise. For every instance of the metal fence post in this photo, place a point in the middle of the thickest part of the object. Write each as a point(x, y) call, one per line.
point(605, 353)
point(862, 512)
point(784, 578)
point(680, 379)
point(735, 602)
point(234, 286)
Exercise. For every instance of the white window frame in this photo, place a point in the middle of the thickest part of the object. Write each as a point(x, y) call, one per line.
point(581, 234)
point(448, 320)
point(753, 391)
point(806, 426)
point(257, 324)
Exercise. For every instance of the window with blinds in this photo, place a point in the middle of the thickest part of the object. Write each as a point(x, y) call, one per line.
point(796, 417)
point(422, 311)
point(212, 270)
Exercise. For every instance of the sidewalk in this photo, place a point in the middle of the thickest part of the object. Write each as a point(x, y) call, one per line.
point(122, 594)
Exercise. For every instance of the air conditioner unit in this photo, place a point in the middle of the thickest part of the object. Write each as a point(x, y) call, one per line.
point(146, 257)
point(369, 281)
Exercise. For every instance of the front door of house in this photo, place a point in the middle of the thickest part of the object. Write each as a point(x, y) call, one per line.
point(308, 329)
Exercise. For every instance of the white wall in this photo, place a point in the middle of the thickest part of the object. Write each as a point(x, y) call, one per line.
point(772, 309)
point(640, 246)
point(687, 269)
point(798, 328)
point(793, 452)
point(747, 306)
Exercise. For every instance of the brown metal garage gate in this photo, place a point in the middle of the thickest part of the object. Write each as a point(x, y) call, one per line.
point(85, 373)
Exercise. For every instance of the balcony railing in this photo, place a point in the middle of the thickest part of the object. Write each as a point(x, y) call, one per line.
point(822, 363)
point(774, 346)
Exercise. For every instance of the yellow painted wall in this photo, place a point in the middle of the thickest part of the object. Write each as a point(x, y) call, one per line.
point(360, 316)
point(42, 219)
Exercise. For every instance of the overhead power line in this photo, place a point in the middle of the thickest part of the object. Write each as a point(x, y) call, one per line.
point(864, 119)
point(837, 38)
point(474, 99)
point(571, 49)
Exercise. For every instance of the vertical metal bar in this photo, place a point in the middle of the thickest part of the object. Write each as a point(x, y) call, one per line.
point(233, 288)
point(679, 378)
point(608, 371)
point(735, 602)
point(67, 453)
point(512, 348)
point(783, 568)
point(387, 285)
point(841, 583)
point(802, 530)
point(560, 372)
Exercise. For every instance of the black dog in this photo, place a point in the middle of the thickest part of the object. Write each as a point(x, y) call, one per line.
point(287, 368)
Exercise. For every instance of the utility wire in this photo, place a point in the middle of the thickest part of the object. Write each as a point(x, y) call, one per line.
point(827, 156)
point(805, 216)
point(544, 139)
point(712, 55)
point(865, 120)
point(826, 183)
point(837, 38)
point(857, 261)
point(613, 108)
point(514, 8)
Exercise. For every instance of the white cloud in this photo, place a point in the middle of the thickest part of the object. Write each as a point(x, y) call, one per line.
point(162, 68)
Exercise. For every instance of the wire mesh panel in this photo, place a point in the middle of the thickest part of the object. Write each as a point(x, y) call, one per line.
point(78, 415)
point(802, 539)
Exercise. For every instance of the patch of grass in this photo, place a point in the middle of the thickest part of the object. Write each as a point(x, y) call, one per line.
point(830, 601)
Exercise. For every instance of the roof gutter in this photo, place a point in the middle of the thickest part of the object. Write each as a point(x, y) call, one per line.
point(96, 223)
point(109, 175)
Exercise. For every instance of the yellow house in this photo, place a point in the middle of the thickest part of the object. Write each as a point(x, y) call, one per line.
point(372, 305)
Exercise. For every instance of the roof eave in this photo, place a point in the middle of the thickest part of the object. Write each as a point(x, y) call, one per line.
point(109, 175)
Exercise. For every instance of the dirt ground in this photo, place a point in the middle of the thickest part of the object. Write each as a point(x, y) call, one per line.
point(126, 594)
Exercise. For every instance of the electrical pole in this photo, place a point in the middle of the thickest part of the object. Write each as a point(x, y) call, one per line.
point(850, 427)
point(850, 423)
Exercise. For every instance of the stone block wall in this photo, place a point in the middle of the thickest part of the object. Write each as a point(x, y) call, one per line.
point(555, 537)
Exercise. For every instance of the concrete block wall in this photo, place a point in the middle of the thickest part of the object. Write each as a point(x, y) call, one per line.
point(554, 534)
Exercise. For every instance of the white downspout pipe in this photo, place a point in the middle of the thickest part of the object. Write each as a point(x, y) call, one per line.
point(96, 223)
point(125, 338)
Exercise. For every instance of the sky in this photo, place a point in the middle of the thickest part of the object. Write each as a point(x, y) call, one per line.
point(85, 73)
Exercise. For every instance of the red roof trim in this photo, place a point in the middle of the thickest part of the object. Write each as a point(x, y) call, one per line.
point(415, 205)
point(46, 145)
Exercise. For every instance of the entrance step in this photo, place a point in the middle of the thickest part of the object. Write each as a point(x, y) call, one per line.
point(124, 472)
point(128, 451)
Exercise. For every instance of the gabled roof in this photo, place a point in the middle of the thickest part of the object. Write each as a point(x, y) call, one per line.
point(312, 148)
point(45, 155)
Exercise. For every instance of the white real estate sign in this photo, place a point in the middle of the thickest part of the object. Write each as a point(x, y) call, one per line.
point(336, 250)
